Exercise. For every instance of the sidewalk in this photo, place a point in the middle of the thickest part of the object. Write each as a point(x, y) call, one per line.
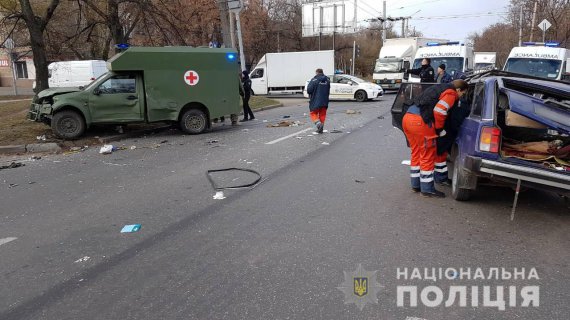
point(9, 91)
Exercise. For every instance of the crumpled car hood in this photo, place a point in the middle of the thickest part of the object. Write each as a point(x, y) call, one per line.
point(56, 91)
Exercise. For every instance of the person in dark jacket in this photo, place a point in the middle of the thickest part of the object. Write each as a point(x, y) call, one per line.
point(426, 72)
point(319, 89)
point(246, 94)
point(442, 75)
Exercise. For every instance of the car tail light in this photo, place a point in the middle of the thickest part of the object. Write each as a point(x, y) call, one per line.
point(490, 139)
point(399, 81)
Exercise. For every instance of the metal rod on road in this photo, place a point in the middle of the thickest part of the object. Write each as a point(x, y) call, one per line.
point(517, 191)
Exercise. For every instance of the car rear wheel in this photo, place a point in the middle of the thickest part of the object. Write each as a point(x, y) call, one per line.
point(194, 121)
point(459, 176)
point(360, 96)
point(68, 124)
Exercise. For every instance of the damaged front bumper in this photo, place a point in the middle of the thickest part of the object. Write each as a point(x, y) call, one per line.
point(40, 112)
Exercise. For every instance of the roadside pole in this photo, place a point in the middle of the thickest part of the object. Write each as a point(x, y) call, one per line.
point(9, 44)
point(235, 7)
point(240, 40)
point(353, 56)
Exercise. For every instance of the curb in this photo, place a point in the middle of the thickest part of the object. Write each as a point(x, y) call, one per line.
point(268, 107)
point(50, 147)
point(53, 147)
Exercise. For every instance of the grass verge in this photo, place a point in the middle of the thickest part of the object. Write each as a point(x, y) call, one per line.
point(257, 102)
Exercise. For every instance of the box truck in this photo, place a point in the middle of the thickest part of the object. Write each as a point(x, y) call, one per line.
point(456, 56)
point(540, 59)
point(287, 72)
point(187, 86)
point(397, 55)
point(485, 60)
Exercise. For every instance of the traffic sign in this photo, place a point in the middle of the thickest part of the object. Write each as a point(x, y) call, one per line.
point(544, 25)
point(9, 44)
point(235, 6)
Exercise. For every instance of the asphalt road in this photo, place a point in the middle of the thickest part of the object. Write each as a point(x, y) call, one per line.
point(326, 204)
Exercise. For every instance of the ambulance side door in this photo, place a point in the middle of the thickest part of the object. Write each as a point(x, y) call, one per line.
point(119, 98)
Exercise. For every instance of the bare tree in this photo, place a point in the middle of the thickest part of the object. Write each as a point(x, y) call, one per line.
point(36, 25)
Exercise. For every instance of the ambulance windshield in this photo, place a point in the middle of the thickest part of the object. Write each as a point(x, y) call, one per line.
point(542, 68)
point(451, 64)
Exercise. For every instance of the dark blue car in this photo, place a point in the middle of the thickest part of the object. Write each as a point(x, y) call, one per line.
point(516, 130)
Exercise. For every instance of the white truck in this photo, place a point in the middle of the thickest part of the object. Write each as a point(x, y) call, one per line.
point(396, 55)
point(543, 60)
point(485, 60)
point(287, 72)
point(456, 56)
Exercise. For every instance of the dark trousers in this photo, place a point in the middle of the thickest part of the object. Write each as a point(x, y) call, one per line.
point(247, 113)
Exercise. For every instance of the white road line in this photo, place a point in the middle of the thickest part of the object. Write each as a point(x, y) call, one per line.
point(289, 136)
point(414, 318)
point(6, 240)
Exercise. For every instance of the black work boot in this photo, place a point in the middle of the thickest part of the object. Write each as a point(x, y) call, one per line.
point(433, 194)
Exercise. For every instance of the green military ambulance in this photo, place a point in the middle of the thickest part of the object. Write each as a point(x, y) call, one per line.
point(189, 86)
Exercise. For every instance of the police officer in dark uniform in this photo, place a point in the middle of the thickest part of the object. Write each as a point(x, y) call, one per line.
point(426, 72)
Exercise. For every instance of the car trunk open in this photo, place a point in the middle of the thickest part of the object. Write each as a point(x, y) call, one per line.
point(535, 125)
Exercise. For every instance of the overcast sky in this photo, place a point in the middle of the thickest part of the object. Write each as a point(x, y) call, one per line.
point(439, 26)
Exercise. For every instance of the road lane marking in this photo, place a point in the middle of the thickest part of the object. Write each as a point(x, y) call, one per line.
point(6, 240)
point(289, 136)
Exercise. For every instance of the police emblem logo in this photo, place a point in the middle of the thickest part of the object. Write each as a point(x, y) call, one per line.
point(360, 287)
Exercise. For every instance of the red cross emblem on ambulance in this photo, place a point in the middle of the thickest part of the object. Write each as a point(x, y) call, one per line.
point(191, 77)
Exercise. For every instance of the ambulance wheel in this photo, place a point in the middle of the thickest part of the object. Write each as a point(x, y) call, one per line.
point(360, 96)
point(68, 124)
point(459, 176)
point(194, 121)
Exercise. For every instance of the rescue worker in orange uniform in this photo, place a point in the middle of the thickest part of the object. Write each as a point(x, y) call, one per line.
point(422, 124)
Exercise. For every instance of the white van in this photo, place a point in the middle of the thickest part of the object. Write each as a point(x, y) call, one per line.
point(75, 73)
point(540, 59)
point(456, 56)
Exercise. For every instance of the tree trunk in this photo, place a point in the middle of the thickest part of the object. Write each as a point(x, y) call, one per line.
point(36, 27)
point(115, 26)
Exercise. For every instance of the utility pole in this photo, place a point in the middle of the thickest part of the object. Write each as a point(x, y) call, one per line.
point(403, 23)
point(240, 40)
point(225, 21)
point(533, 20)
point(232, 30)
point(384, 23)
point(520, 28)
point(353, 56)
point(333, 39)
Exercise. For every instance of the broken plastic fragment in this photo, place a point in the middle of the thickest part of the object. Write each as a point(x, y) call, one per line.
point(406, 162)
point(84, 259)
point(107, 149)
point(131, 228)
point(219, 195)
point(326, 143)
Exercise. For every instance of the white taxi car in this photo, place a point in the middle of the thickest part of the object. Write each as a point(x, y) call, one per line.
point(347, 87)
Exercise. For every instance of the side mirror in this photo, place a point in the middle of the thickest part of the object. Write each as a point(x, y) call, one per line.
point(81, 87)
point(97, 92)
point(350, 83)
